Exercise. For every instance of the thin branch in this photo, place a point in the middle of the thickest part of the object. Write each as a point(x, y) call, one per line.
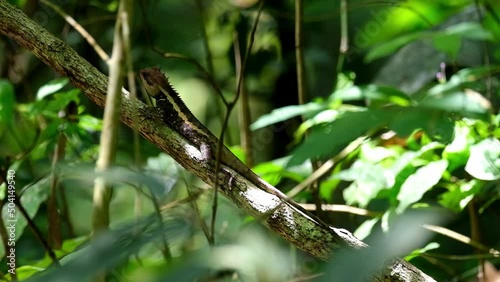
point(208, 53)
point(343, 208)
point(70, 20)
point(109, 135)
point(344, 38)
point(299, 53)
point(486, 55)
point(244, 112)
point(54, 218)
point(230, 107)
point(207, 75)
point(461, 238)
point(326, 167)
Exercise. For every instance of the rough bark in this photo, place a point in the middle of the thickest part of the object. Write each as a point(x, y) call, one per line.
point(278, 215)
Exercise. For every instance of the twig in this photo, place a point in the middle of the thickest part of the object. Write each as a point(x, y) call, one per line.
point(244, 112)
point(326, 167)
point(199, 67)
point(230, 107)
point(343, 208)
point(102, 188)
point(70, 20)
point(461, 238)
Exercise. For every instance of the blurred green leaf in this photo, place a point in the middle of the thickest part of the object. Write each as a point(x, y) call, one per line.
point(51, 107)
point(16, 139)
point(272, 172)
point(470, 30)
point(90, 123)
point(466, 104)
point(418, 252)
point(330, 139)
point(7, 101)
point(457, 152)
point(365, 229)
point(367, 180)
point(435, 123)
point(110, 249)
point(51, 87)
point(447, 43)
point(31, 199)
point(465, 78)
point(160, 176)
point(285, 113)
point(420, 182)
point(484, 160)
point(390, 47)
point(374, 93)
point(458, 197)
point(449, 40)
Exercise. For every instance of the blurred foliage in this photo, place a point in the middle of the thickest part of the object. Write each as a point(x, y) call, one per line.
point(429, 152)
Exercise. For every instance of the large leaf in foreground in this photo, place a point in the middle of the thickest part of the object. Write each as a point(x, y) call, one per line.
point(329, 139)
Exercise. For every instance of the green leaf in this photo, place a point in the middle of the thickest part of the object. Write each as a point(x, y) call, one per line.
point(436, 124)
point(374, 93)
point(329, 139)
point(112, 249)
point(272, 172)
point(448, 44)
point(7, 101)
point(457, 152)
point(459, 196)
point(420, 182)
point(466, 103)
point(484, 160)
point(365, 229)
point(449, 40)
point(90, 123)
point(18, 138)
point(418, 252)
point(390, 47)
point(470, 30)
point(368, 179)
point(51, 87)
point(31, 200)
point(285, 113)
point(465, 78)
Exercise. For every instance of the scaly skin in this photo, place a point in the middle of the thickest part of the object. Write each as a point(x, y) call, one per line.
point(178, 116)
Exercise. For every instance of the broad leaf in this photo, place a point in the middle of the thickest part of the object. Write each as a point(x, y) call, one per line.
point(51, 87)
point(464, 103)
point(286, 113)
point(457, 152)
point(484, 160)
point(373, 93)
point(390, 47)
point(470, 30)
point(31, 200)
point(420, 182)
point(7, 101)
point(368, 179)
point(328, 140)
point(435, 123)
point(458, 197)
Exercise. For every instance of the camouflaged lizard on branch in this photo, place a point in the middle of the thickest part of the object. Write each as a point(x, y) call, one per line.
point(179, 118)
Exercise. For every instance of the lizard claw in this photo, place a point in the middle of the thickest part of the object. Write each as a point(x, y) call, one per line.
point(149, 113)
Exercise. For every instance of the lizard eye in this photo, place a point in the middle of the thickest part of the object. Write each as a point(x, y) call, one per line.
point(145, 78)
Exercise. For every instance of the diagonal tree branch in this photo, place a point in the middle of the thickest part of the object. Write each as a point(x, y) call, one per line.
point(278, 215)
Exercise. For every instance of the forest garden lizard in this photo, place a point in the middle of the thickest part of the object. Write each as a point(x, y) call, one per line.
point(178, 117)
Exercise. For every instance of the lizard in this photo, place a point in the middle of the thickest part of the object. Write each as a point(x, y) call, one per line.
point(177, 115)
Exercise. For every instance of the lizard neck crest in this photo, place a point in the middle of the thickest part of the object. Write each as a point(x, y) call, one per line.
point(168, 100)
point(154, 80)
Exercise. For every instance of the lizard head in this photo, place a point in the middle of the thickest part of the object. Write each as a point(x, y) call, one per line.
point(154, 80)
